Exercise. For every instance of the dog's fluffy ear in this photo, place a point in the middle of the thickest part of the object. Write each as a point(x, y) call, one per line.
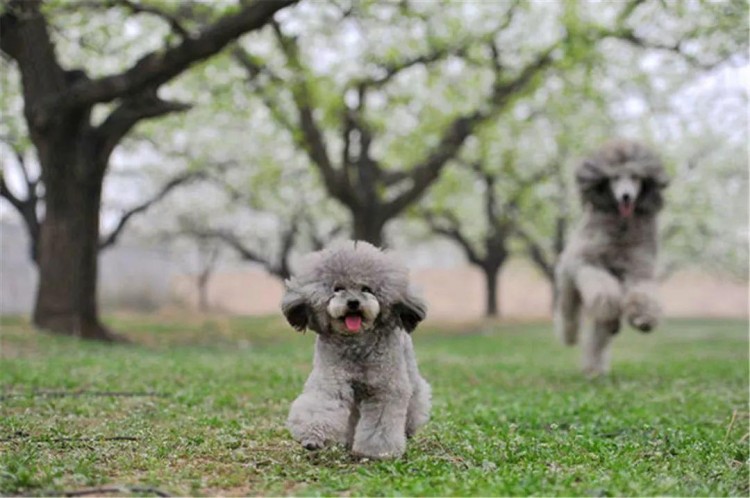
point(651, 199)
point(411, 310)
point(295, 307)
point(593, 186)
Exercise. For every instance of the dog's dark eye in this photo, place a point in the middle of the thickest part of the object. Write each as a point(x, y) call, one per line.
point(338, 288)
point(367, 289)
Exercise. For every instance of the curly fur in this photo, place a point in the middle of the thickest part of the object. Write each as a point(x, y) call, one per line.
point(365, 390)
point(606, 271)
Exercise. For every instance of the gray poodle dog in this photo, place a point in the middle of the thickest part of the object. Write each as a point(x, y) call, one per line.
point(365, 390)
point(607, 269)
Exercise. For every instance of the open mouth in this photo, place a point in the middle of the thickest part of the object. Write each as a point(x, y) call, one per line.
point(626, 208)
point(353, 322)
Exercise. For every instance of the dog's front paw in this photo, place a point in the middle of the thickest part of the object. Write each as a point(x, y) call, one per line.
point(644, 323)
point(642, 310)
point(312, 444)
point(642, 313)
point(380, 449)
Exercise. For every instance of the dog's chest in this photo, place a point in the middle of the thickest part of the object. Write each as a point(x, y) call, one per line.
point(619, 247)
point(362, 390)
point(371, 375)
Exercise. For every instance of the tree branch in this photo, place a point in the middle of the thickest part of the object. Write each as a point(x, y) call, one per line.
point(26, 207)
point(174, 23)
point(314, 143)
point(156, 68)
point(621, 32)
point(448, 226)
point(138, 8)
point(253, 70)
point(537, 254)
point(389, 71)
point(453, 138)
point(280, 270)
point(111, 239)
point(146, 105)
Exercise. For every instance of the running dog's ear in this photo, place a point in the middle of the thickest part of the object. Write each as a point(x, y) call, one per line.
point(588, 174)
point(411, 310)
point(295, 307)
point(651, 199)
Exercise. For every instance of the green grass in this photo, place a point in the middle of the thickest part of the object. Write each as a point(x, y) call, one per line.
point(512, 415)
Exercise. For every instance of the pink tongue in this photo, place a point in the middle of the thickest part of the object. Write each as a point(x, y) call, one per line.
point(626, 209)
point(353, 322)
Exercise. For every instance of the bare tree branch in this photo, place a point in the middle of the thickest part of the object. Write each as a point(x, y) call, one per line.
point(537, 253)
point(321, 241)
point(27, 206)
point(5, 192)
point(447, 225)
point(145, 105)
point(182, 179)
point(279, 269)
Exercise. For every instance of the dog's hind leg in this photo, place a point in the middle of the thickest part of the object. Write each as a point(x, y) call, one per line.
point(596, 350)
point(567, 314)
point(418, 412)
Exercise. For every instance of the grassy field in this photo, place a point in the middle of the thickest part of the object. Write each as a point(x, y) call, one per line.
point(197, 406)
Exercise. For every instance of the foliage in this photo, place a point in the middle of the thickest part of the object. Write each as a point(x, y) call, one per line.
point(512, 415)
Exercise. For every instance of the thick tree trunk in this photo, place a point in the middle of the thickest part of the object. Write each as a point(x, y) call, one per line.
point(368, 226)
point(492, 308)
point(69, 236)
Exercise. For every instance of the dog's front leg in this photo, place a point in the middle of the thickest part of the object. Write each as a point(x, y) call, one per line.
point(641, 306)
point(600, 291)
point(380, 432)
point(321, 414)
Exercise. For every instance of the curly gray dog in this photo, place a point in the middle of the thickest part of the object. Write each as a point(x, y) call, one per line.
point(365, 390)
point(608, 267)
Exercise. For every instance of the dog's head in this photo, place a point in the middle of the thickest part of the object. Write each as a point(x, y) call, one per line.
point(622, 177)
point(351, 289)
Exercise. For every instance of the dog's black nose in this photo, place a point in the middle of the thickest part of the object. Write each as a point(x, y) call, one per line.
point(626, 197)
point(352, 304)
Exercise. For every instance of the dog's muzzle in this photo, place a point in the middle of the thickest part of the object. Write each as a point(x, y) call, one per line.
point(353, 317)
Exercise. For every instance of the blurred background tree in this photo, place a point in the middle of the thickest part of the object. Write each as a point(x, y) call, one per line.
point(74, 130)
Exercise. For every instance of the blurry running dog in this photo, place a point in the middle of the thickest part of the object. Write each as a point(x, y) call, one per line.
point(607, 270)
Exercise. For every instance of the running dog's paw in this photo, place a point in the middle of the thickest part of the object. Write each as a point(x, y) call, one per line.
point(644, 323)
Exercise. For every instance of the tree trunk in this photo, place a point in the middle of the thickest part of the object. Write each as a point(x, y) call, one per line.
point(492, 308)
point(203, 279)
point(69, 235)
point(368, 226)
point(555, 295)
